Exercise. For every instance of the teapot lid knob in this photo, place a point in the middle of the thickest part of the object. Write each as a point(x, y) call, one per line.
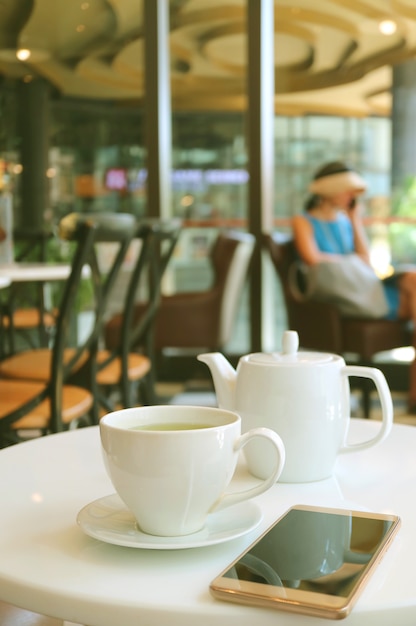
point(290, 342)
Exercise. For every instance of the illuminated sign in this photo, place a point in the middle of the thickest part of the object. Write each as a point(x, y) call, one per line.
point(122, 179)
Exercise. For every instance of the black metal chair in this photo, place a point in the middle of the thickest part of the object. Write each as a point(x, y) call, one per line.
point(43, 388)
point(28, 316)
point(202, 320)
point(131, 331)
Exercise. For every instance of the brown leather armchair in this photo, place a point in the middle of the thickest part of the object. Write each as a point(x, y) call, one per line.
point(205, 319)
point(201, 320)
point(320, 325)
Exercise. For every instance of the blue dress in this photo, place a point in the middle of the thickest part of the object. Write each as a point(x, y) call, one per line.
point(337, 237)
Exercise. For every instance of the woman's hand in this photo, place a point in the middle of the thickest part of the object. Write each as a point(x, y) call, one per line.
point(360, 236)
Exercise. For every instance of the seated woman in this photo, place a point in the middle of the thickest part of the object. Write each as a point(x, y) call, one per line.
point(332, 227)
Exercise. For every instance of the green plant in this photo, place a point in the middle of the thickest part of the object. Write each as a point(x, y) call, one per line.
point(402, 234)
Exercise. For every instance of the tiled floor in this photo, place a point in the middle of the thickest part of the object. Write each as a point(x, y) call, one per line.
point(12, 616)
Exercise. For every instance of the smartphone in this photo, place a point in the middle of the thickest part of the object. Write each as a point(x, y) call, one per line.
point(312, 560)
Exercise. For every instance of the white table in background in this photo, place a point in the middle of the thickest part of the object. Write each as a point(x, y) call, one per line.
point(33, 272)
point(4, 282)
point(48, 565)
point(30, 272)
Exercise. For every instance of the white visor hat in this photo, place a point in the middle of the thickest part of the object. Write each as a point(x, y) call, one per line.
point(338, 182)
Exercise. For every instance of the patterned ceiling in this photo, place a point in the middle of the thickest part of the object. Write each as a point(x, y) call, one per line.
point(330, 55)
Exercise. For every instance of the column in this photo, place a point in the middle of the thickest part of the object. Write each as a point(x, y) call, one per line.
point(260, 114)
point(158, 116)
point(33, 130)
point(403, 124)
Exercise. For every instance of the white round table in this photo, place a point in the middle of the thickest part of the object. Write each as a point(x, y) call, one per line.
point(50, 566)
point(28, 272)
point(4, 282)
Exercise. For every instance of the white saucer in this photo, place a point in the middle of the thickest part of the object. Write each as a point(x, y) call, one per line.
point(108, 520)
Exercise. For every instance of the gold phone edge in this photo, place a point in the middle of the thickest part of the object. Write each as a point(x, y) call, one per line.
point(314, 610)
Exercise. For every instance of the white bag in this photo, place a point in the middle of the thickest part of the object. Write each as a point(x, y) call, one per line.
point(352, 285)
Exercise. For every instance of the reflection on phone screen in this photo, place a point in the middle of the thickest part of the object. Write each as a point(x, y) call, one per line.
point(313, 551)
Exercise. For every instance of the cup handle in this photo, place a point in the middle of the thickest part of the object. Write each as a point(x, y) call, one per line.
point(229, 499)
point(385, 400)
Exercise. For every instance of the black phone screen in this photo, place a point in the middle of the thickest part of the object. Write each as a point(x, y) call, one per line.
point(321, 552)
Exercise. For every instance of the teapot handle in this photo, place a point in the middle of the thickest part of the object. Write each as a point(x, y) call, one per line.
point(385, 400)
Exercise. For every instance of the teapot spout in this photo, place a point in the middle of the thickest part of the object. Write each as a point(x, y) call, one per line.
point(224, 377)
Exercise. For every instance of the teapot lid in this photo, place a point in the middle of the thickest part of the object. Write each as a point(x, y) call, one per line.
point(290, 354)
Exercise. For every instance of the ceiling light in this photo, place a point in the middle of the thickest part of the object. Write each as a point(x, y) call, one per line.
point(23, 54)
point(387, 27)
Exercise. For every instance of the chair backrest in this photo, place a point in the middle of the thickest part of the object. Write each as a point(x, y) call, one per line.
point(231, 256)
point(87, 232)
point(203, 320)
point(29, 246)
point(283, 254)
point(158, 241)
point(317, 323)
point(67, 353)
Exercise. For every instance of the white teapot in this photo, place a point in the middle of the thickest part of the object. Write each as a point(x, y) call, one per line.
point(304, 397)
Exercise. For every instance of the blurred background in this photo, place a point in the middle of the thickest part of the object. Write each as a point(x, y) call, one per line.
point(74, 127)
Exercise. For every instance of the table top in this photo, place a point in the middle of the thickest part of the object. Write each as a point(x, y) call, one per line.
point(50, 566)
point(4, 282)
point(26, 272)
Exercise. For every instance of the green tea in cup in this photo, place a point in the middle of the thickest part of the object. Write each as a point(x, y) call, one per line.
point(171, 465)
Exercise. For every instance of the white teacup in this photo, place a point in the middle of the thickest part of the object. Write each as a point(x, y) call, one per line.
point(171, 465)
